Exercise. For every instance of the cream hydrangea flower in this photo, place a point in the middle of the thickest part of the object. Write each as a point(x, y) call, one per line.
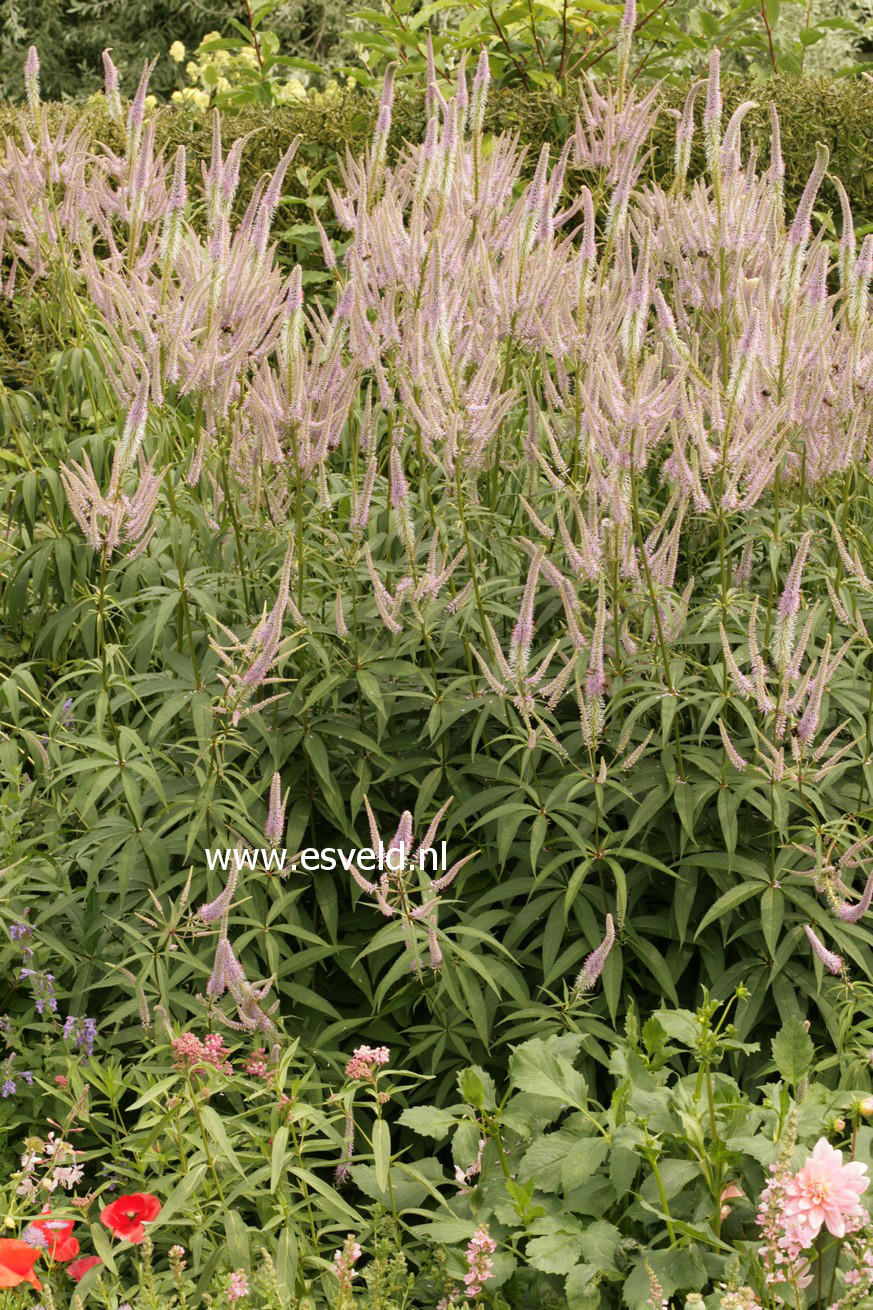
point(192, 95)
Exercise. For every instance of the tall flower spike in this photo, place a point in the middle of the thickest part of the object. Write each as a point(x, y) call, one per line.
point(587, 255)
point(523, 631)
point(110, 88)
point(776, 172)
point(712, 112)
point(383, 117)
point(789, 606)
point(626, 29)
point(342, 628)
point(274, 828)
point(854, 913)
point(134, 425)
point(432, 95)
point(808, 725)
point(171, 231)
point(685, 135)
point(731, 751)
point(479, 98)
point(594, 964)
point(800, 230)
point(215, 910)
point(462, 93)
point(833, 963)
point(31, 81)
point(136, 113)
point(360, 515)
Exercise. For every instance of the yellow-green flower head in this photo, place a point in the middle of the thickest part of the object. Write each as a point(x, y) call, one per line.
point(177, 52)
point(192, 95)
point(291, 90)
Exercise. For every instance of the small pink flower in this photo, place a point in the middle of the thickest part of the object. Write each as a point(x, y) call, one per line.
point(190, 1055)
point(730, 1193)
point(238, 1286)
point(826, 1191)
point(257, 1066)
point(479, 1266)
point(344, 1262)
point(366, 1060)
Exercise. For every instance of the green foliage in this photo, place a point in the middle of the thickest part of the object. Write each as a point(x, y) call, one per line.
point(71, 34)
point(546, 43)
point(591, 1162)
point(599, 1162)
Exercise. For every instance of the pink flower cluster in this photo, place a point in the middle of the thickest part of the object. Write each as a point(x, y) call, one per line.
point(794, 1208)
point(365, 1062)
point(344, 1262)
point(256, 1065)
point(480, 1249)
point(190, 1055)
point(238, 1286)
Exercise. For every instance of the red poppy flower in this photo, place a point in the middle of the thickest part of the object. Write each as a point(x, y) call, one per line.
point(79, 1268)
point(59, 1243)
point(126, 1215)
point(16, 1263)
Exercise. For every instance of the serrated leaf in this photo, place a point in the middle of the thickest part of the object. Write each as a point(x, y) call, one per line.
point(793, 1051)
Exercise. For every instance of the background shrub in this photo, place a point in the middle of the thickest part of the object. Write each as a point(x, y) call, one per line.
point(71, 35)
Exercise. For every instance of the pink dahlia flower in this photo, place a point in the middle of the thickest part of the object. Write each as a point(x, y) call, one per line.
point(826, 1191)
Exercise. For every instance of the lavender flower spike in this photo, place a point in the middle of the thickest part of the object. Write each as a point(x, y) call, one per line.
point(799, 231)
point(479, 97)
point(712, 112)
point(136, 113)
point(730, 749)
point(432, 95)
point(31, 80)
point(215, 910)
point(135, 425)
point(833, 963)
point(383, 119)
point(685, 135)
point(110, 88)
point(593, 966)
point(626, 30)
point(854, 913)
point(275, 825)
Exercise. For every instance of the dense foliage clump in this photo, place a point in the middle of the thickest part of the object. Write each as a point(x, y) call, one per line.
point(532, 534)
